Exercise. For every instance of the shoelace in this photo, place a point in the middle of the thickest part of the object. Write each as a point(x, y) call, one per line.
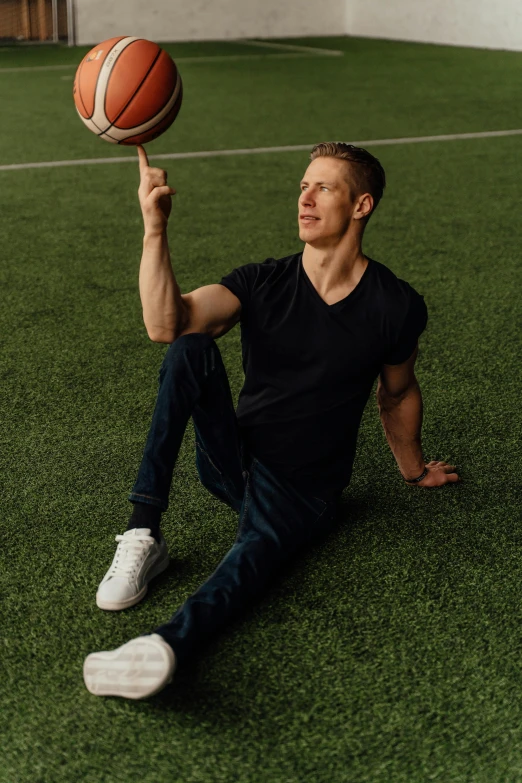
point(130, 554)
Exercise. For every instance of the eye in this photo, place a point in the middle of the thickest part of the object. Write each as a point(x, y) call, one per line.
point(324, 187)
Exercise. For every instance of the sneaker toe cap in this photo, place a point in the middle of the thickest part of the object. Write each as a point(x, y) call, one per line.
point(116, 589)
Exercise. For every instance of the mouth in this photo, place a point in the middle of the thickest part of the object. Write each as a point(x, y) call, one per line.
point(308, 218)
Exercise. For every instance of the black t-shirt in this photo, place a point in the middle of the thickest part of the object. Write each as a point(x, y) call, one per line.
point(310, 367)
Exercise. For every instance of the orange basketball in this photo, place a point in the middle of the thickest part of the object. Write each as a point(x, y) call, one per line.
point(127, 90)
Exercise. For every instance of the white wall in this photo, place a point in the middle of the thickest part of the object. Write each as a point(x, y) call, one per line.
point(197, 20)
point(495, 24)
point(491, 24)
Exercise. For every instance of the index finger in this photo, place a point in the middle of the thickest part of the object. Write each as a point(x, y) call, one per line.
point(142, 155)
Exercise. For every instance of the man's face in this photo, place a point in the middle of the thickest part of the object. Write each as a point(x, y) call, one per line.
point(325, 205)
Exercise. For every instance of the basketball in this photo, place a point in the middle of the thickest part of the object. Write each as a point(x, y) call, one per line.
point(127, 90)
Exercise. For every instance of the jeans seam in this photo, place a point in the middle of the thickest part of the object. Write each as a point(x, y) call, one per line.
point(207, 456)
point(223, 481)
point(158, 502)
point(151, 497)
point(321, 515)
point(247, 499)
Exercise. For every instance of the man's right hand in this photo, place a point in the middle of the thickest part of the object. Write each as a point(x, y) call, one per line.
point(439, 473)
point(154, 194)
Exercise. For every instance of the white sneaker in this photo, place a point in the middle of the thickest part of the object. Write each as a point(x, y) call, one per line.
point(138, 559)
point(137, 669)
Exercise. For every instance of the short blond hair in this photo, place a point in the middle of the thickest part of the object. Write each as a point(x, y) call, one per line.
point(367, 174)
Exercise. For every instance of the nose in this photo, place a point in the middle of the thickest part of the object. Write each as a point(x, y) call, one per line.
point(306, 199)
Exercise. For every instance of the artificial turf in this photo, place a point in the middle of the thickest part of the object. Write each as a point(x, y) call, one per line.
point(390, 653)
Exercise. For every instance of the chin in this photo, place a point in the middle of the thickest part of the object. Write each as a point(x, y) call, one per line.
point(313, 240)
point(308, 235)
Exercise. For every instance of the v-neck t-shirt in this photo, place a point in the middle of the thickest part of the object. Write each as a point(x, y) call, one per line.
point(310, 367)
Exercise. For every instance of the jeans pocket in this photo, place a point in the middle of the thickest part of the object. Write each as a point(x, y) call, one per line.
point(326, 512)
point(322, 504)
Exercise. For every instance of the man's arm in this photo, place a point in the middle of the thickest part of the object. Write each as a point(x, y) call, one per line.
point(167, 313)
point(399, 400)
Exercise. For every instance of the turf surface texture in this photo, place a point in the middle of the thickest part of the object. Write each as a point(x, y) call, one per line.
point(390, 653)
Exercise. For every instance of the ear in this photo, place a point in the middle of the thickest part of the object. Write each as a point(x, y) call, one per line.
point(363, 206)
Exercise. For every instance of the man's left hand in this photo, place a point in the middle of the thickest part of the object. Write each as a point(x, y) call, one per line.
point(439, 473)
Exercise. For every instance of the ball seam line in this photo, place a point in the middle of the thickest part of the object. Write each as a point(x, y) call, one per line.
point(135, 92)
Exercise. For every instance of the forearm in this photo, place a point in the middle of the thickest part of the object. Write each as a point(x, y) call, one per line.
point(402, 423)
point(163, 307)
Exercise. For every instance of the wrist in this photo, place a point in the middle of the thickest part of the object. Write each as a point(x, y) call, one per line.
point(416, 479)
point(154, 234)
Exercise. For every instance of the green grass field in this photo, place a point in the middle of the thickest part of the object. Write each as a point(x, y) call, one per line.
point(391, 652)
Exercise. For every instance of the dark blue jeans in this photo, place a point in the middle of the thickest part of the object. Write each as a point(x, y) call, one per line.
point(275, 519)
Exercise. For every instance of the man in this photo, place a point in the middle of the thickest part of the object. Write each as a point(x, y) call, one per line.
point(317, 329)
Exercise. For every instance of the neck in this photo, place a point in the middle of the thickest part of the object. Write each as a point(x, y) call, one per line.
point(335, 266)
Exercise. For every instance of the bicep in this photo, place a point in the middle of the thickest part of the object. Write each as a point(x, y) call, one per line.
point(396, 379)
point(211, 309)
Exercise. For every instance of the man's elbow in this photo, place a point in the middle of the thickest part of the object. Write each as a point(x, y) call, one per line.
point(170, 330)
point(161, 337)
point(390, 398)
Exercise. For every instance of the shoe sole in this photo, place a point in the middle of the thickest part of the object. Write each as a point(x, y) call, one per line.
point(116, 606)
point(134, 671)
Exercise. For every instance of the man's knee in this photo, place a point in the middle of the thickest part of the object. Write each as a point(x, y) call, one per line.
point(195, 341)
point(187, 345)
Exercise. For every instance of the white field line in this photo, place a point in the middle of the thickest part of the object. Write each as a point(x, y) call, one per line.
point(185, 60)
point(223, 58)
point(257, 150)
point(233, 58)
point(293, 47)
point(37, 68)
point(290, 52)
